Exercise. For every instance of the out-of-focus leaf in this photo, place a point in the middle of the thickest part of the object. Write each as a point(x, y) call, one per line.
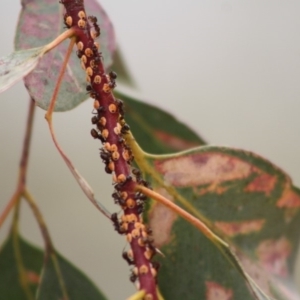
point(32, 258)
point(16, 252)
point(18, 64)
point(243, 198)
point(41, 22)
point(156, 130)
point(77, 285)
point(120, 67)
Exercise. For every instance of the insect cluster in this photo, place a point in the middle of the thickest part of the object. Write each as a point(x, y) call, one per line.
point(110, 129)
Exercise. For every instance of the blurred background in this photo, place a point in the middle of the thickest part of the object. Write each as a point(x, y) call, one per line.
point(230, 69)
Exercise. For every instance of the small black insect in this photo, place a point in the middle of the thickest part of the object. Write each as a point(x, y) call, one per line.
point(101, 109)
point(116, 223)
point(97, 29)
point(105, 156)
point(127, 258)
point(119, 186)
point(113, 75)
point(92, 19)
point(120, 105)
point(132, 277)
point(95, 120)
point(95, 49)
point(79, 53)
point(108, 170)
point(96, 135)
point(148, 230)
point(140, 209)
point(156, 265)
point(94, 94)
point(97, 58)
point(118, 199)
point(89, 88)
point(139, 196)
point(125, 128)
point(148, 240)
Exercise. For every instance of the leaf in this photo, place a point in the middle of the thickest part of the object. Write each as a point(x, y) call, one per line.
point(77, 285)
point(41, 22)
point(156, 130)
point(18, 64)
point(244, 199)
point(16, 250)
point(32, 258)
point(120, 67)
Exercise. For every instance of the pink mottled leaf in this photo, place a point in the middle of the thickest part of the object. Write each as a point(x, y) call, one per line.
point(248, 202)
point(41, 22)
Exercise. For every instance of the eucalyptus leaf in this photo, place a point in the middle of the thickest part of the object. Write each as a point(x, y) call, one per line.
point(24, 272)
point(156, 130)
point(40, 22)
point(17, 65)
point(31, 258)
point(76, 284)
point(244, 199)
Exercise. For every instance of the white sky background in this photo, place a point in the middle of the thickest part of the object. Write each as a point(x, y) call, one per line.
point(229, 69)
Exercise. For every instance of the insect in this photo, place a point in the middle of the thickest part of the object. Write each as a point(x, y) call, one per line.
point(112, 77)
point(96, 135)
point(127, 258)
point(116, 223)
point(120, 105)
point(125, 128)
point(119, 186)
point(133, 277)
point(118, 199)
point(105, 156)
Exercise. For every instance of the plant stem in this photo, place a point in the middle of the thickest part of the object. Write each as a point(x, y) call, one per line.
point(67, 34)
point(48, 115)
point(81, 181)
point(17, 253)
point(40, 220)
point(138, 295)
point(183, 213)
point(116, 154)
point(22, 165)
point(49, 248)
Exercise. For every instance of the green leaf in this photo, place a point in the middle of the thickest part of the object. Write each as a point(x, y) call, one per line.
point(32, 260)
point(76, 284)
point(17, 257)
point(119, 66)
point(18, 64)
point(48, 14)
point(156, 130)
point(244, 199)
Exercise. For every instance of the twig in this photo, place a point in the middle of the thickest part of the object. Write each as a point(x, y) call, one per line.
point(40, 220)
point(50, 251)
point(81, 181)
point(67, 34)
point(17, 253)
point(183, 213)
point(23, 164)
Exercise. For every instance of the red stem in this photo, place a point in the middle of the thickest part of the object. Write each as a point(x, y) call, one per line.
point(115, 153)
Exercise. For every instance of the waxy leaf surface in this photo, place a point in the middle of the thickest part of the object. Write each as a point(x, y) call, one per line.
point(41, 22)
point(247, 201)
point(76, 284)
point(17, 65)
point(156, 130)
point(17, 257)
point(32, 260)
